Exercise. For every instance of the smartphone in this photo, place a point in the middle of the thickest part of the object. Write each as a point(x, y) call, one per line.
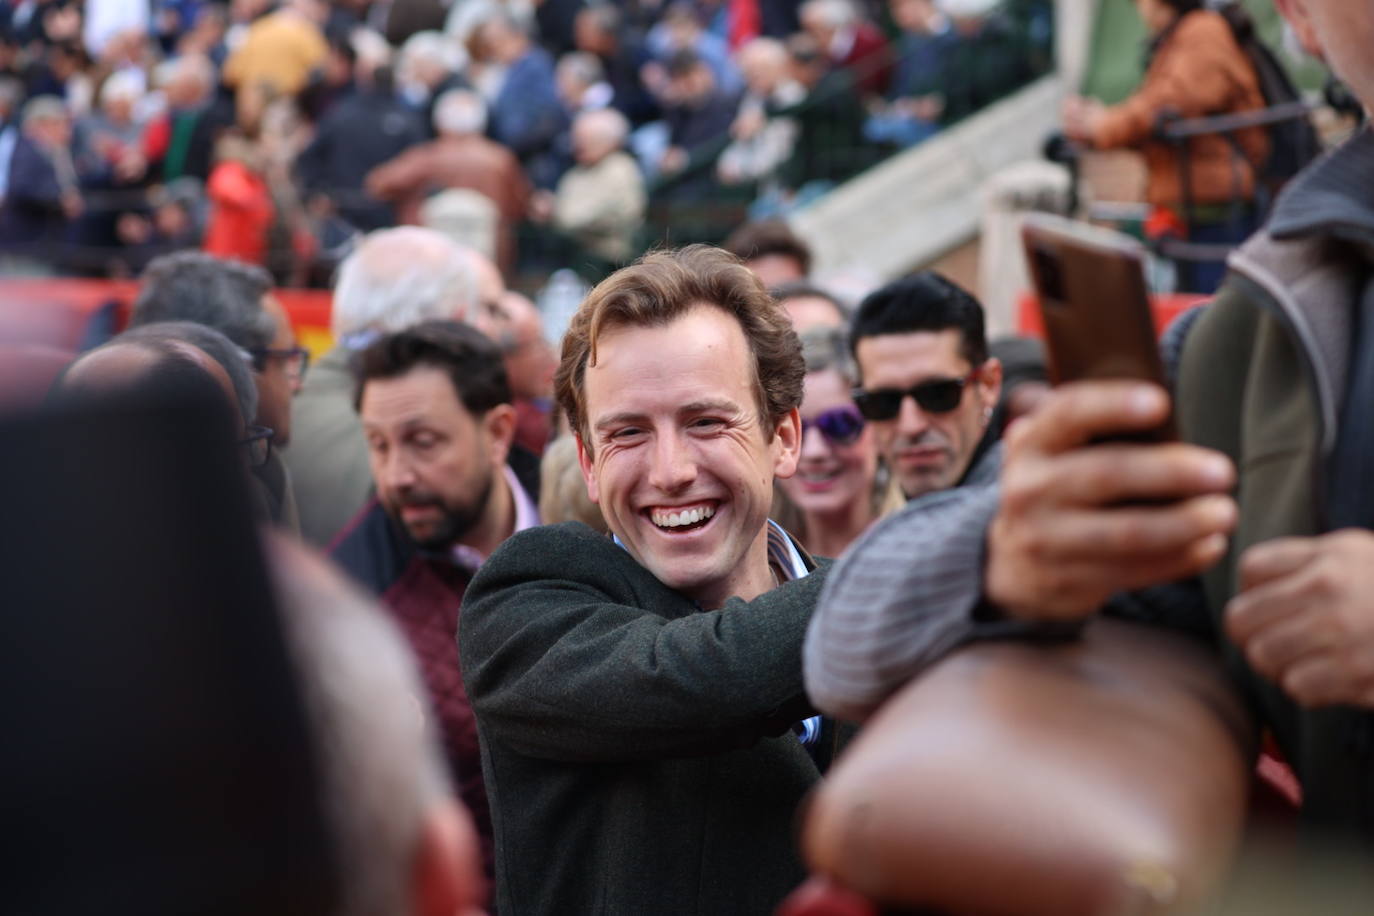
point(1091, 285)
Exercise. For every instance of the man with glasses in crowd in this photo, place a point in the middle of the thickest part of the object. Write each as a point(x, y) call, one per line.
point(236, 300)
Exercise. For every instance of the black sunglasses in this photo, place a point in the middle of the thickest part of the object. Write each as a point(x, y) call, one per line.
point(840, 425)
point(938, 395)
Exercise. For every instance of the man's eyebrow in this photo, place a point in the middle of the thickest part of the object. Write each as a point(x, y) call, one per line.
point(721, 405)
point(624, 418)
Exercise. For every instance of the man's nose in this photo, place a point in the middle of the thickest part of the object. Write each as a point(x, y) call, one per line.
point(396, 471)
point(912, 421)
point(674, 465)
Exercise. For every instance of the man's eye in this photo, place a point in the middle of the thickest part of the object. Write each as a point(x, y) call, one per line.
point(424, 442)
point(707, 423)
point(627, 432)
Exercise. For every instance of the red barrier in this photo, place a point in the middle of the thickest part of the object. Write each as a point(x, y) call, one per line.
point(60, 311)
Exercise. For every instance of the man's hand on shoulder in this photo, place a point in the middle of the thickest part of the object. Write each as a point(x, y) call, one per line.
point(1304, 616)
point(1082, 519)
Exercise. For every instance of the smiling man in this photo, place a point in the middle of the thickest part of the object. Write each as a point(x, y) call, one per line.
point(928, 384)
point(437, 417)
point(645, 736)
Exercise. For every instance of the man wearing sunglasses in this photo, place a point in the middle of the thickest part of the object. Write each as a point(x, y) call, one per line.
point(928, 385)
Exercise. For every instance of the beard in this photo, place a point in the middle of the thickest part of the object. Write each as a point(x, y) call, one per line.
point(454, 521)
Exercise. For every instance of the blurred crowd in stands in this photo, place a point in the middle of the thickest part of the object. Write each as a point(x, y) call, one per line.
point(276, 132)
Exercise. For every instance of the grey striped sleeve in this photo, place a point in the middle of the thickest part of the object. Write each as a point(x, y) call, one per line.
point(901, 597)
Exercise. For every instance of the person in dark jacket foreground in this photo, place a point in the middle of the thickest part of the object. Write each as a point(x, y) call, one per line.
point(645, 736)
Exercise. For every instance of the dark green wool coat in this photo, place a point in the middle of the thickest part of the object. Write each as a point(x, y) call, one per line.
point(637, 752)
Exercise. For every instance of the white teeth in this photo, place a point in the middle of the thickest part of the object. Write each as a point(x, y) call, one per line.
point(685, 517)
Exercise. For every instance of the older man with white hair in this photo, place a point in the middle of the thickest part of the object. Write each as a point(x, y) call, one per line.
point(395, 278)
point(600, 201)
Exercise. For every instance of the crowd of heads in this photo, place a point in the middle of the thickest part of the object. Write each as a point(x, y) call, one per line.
point(221, 127)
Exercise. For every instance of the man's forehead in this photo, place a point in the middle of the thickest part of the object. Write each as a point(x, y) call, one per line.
point(912, 352)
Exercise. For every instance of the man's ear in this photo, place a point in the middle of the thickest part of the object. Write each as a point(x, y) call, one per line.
point(447, 871)
point(584, 461)
point(787, 436)
point(990, 381)
point(499, 424)
point(1295, 12)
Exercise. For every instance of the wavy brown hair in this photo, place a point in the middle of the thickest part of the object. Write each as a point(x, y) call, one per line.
point(663, 286)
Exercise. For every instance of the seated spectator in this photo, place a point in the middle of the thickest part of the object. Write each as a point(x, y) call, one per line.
point(42, 197)
point(759, 144)
point(1196, 68)
point(280, 51)
point(600, 201)
point(361, 131)
point(581, 82)
point(830, 146)
point(988, 60)
point(599, 30)
point(680, 29)
point(428, 65)
point(912, 109)
point(241, 208)
point(172, 221)
point(461, 157)
point(526, 114)
point(11, 98)
point(437, 417)
point(772, 251)
point(698, 112)
point(839, 488)
point(111, 167)
point(849, 42)
point(182, 140)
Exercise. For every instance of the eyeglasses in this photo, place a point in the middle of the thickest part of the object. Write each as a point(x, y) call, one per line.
point(257, 443)
point(839, 425)
point(938, 395)
point(297, 359)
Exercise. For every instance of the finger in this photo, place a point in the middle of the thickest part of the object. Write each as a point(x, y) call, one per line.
point(1080, 412)
point(1073, 589)
point(1261, 607)
point(1105, 475)
point(1276, 559)
point(1131, 533)
point(1288, 640)
point(1324, 679)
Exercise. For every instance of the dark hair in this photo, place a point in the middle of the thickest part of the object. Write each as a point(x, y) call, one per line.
point(1183, 6)
point(471, 359)
point(924, 301)
point(683, 62)
point(772, 236)
point(660, 288)
point(236, 361)
point(218, 293)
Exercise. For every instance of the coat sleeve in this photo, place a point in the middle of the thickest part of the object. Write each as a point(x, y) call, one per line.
point(1192, 77)
point(567, 663)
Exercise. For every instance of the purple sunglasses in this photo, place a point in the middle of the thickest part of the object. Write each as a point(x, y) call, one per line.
point(839, 425)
